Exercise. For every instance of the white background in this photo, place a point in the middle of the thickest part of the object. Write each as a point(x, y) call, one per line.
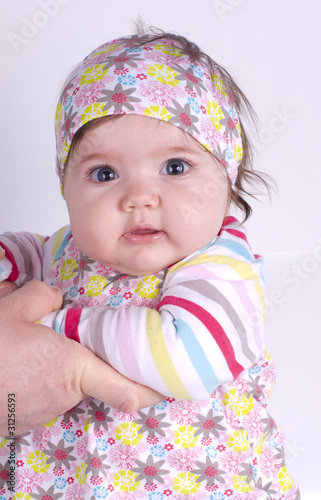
point(272, 48)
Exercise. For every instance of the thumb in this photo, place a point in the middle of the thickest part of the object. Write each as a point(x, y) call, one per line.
point(7, 287)
point(33, 301)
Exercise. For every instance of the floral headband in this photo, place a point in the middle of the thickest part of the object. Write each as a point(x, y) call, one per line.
point(143, 76)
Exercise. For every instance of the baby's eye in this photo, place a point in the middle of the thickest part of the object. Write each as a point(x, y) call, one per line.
point(175, 167)
point(103, 174)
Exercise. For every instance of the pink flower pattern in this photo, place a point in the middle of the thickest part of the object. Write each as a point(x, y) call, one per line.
point(232, 461)
point(158, 92)
point(184, 412)
point(269, 465)
point(28, 480)
point(89, 93)
point(253, 424)
point(123, 456)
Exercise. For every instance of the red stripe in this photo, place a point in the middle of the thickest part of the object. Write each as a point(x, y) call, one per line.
point(213, 327)
point(228, 220)
point(72, 322)
point(14, 273)
point(237, 233)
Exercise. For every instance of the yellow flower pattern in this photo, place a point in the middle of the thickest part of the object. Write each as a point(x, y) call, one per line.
point(51, 423)
point(92, 111)
point(163, 74)
point(93, 74)
point(238, 153)
point(218, 84)
point(128, 433)
point(21, 496)
point(68, 268)
point(186, 483)
point(147, 288)
point(215, 113)
point(284, 479)
point(87, 426)
point(238, 441)
point(38, 461)
point(126, 480)
point(184, 436)
point(81, 473)
point(230, 398)
point(242, 485)
point(58, 116)
point(244, 405)
point(156, 111)
point(259, 447)
point(3, 442)
point(105, 50)
point(65, 150)
point(172, 51)
point(96, 285)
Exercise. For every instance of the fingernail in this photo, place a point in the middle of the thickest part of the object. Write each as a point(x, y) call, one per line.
point(56, 289)
point(5, 290)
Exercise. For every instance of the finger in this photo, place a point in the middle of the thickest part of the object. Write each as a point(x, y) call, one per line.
point(33, 301)
point(103, 382)
point(2, 252)
point(6, 287)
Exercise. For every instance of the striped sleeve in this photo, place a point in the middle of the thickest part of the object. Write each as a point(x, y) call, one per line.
point(207, 329)
point(28, 256)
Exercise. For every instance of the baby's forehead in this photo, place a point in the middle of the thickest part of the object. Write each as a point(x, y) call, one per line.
point(102, 134)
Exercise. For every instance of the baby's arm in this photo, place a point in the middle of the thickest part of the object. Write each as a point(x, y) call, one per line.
point(23, 258)
point(26, 256)
point(207, 329)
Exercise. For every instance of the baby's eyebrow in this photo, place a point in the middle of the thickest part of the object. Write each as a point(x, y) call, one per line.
point(79, 158)
point(175, 150)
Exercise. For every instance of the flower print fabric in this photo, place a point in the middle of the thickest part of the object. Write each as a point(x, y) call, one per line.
point(204, 449)
point(136, 75)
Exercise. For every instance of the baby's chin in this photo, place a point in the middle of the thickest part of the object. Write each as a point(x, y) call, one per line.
point(139, 272)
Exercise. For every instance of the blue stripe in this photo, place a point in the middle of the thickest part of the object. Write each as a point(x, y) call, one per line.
point(239, 249)
point(196, 355)
point(236, 248)
point(57, 326)
point(62, 247)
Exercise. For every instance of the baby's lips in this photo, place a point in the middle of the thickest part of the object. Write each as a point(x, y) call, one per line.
point(142, 229)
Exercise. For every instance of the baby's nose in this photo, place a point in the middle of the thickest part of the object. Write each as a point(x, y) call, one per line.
point(140, 196)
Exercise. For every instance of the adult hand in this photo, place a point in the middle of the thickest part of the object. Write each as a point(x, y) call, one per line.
point(47, 373)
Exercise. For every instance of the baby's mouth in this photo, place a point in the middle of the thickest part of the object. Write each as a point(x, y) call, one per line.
point(144, 234)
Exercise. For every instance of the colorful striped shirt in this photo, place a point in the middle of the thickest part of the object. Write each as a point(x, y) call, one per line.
point(189, 328)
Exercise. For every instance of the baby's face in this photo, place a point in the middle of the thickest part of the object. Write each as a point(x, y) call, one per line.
point(142, 194)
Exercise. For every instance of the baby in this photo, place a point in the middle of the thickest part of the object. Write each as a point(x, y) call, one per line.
point(159, 281)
